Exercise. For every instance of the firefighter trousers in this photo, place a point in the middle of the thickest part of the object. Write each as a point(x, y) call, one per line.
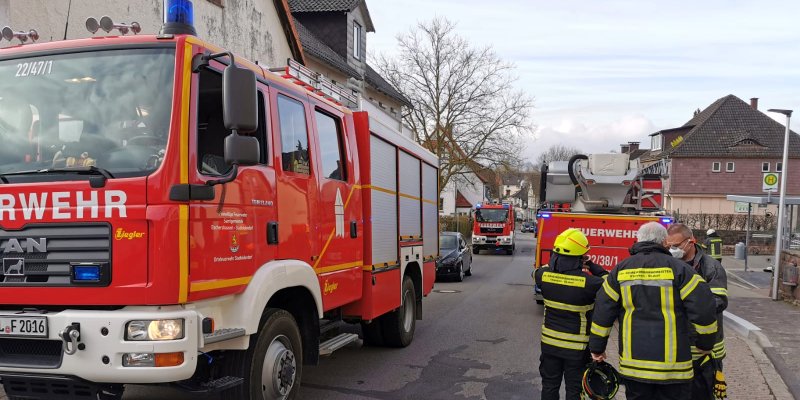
point(553, 368)
point(635, 390)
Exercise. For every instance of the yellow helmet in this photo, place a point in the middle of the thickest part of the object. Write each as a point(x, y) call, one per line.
point(571, 242)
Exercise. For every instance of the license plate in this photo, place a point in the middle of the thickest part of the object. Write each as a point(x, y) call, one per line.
point(23, 326)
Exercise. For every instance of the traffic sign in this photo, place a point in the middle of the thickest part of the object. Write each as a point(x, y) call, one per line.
point(770, 182)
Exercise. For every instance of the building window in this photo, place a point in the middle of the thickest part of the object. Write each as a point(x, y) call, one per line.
point(655, 142)
point(357, 40)
point(765, 167)
point(778, 167)
point(715, 166)
point(729, 167)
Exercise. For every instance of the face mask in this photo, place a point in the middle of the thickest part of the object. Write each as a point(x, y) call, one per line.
point(677, 253)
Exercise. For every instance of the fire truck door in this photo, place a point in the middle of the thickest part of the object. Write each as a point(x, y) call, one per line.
point(224, 242)
point(296, 186)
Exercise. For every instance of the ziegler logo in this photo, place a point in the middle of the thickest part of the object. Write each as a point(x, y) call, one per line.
point(121, 234)
point(330, 287)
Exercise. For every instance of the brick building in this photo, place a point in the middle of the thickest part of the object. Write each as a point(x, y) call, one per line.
point(722, 150)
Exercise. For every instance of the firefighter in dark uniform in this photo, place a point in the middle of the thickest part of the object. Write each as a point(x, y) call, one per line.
point(681, 244)
point(656, 298)
point(569, 292)
point(713, 245)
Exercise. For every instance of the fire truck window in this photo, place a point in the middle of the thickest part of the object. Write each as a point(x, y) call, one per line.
point(331, 146)
point(294, 136)
point(211, 130)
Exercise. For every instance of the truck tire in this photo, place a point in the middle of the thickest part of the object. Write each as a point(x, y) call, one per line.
point(372, 332)
point(273, 364)
point(398, 325)
point(475, 250)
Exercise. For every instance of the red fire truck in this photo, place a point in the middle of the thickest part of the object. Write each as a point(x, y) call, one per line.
point(608, 198)
point(172, 214)
point(493, 228)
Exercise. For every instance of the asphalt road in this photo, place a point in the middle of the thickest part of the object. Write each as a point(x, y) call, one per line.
point(480, 342)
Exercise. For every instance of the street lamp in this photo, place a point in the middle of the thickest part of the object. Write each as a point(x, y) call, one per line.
point(781, 203)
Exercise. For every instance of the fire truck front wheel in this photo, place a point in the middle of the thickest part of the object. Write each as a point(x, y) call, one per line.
point(398, 326)
point(273, 365)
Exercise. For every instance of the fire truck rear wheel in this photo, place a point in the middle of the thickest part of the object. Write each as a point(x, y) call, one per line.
point(273, 365)
point(399, 325)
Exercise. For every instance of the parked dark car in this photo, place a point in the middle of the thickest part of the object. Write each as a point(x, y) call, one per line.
point(529, 227)
point(455, 259)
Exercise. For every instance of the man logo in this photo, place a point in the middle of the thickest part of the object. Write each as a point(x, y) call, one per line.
point(14, 266)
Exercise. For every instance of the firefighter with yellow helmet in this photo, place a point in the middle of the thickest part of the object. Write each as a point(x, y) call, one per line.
point(569, 292)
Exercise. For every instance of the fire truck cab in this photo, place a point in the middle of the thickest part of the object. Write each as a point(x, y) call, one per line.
point(493, 228)
point(173, 213)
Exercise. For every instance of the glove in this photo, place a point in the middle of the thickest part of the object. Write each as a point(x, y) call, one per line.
point(596, 269)
point(720, 387)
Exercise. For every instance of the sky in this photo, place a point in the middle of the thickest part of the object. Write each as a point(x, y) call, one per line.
point(607, 72)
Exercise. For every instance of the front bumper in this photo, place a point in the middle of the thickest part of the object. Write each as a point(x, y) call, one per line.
point(100, 359)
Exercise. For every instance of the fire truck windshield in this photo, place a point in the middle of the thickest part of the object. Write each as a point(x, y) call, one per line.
point(107, 109)
point(491, 215)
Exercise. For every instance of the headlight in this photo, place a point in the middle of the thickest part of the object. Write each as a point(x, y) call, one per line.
point(161, 329)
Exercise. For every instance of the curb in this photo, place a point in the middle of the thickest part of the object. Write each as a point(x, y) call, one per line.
point(742, 280)
point(751, 332)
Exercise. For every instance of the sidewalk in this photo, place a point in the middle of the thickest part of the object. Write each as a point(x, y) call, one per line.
point(748, 371)
point(779, 322)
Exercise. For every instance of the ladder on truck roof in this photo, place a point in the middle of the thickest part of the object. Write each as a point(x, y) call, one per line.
point(318, 83)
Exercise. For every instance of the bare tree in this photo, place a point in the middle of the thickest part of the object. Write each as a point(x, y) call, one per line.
point(466, 109)
point(557, 152)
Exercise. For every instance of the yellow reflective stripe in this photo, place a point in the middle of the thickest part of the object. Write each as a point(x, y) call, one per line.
point(689, 287)
point(600, 330)
point(655, 365)
point(568, 307)
point(646, 274)
point(564, 280)
point(657, 375)
point(670, 325)
point(584, 322)
point(627, 304)
point(563, 335)
point(610, 291)
point(563, 344)
point(706, 329)
point(719, 291)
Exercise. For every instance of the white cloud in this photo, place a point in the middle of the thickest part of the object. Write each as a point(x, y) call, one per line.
point(592, 138)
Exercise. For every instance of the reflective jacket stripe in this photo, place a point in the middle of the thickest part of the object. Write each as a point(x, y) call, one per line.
point(690, 286)
point(600, 330)
point(627, 303)
point(656, 375)
point(563, 335)
point(563, 343)
point(610, 291)
point(670, 328)
point(568, 307)
point(718, 351)
point(706, 329)
point(655, 365)
point(719, 291)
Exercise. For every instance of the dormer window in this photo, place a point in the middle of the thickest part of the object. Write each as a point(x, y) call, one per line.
point(357, 40)
point(655, 142)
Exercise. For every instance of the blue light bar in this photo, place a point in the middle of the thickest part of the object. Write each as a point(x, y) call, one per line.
point(178, 18)
point(505, 206)
point(666, 220)
point(86, 273)
point(544, 215)
point(478, 205)
point(180, 11)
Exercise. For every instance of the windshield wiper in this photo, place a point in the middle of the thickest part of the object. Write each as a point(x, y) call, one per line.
point(96, 181)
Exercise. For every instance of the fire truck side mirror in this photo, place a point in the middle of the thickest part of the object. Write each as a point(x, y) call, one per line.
point(239, 99)
point(241, 150)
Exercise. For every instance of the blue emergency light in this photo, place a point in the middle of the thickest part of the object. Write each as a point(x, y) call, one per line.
point(666, 220)
point(86, 273)
point(543, 215)
point(178, 18)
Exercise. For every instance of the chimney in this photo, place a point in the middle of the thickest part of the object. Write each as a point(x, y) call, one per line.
point(624, 148)
point(633, 146)
point(754, 103)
